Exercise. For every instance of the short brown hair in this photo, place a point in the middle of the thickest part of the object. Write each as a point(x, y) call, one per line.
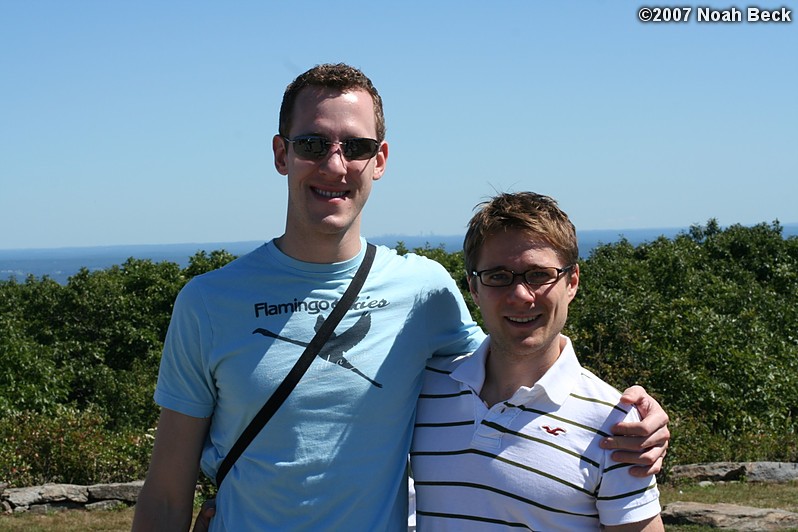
point(535, 214)
point(341, 77)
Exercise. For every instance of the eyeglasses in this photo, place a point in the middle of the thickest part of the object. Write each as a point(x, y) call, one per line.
point(315, 148)
point(534, 277)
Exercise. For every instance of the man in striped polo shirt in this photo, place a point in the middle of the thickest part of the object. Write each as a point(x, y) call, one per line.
point(509, 435)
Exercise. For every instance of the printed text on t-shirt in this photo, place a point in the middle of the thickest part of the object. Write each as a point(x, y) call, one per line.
point(312, 306)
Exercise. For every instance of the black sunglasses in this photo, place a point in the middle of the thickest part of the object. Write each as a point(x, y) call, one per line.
point(316, 148)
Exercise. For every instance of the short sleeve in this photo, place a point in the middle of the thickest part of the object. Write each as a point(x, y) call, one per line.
point(185, 383)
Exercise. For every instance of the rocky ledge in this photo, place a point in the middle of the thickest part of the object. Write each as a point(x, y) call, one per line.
point(731, 516)
point(57, 497)
point(730, 471)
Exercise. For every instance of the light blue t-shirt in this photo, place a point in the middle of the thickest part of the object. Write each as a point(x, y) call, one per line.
point(334, 455)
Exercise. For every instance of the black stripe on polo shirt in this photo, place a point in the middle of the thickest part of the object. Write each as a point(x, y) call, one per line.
point(472, 518)
point(558, 418)
point(436, 370)
point(447, 424)
point(503, 493)
point(444, 395)
point(506, 461)
point(629, 494)
point(599, 401)
point(505, 430)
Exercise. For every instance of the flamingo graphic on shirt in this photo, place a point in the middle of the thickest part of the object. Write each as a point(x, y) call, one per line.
point(333, 351)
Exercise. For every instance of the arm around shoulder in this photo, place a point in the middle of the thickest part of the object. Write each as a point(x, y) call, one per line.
point(167, 498)
point(644, 442)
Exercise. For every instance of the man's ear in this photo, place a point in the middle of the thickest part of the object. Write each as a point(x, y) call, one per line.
point(280, 149)
point(381, 161)
point(573, 282)
point(473, 283)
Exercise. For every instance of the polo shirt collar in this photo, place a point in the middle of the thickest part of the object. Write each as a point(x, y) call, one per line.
point(556, 384)
point(471, 371)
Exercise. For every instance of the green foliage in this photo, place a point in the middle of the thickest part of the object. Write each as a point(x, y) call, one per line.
point(29, 375)
point(203, 262)
point(78, 366)
point(706, 321)
point(454, 263)
point(69, 446)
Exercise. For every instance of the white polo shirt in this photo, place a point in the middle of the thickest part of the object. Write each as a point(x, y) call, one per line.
point(532, 461)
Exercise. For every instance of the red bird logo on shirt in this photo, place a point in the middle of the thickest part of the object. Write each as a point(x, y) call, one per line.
point(553, 432)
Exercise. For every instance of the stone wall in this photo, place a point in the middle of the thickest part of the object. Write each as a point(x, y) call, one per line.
point(729, 516)
point(56, 497)
point(733, 471)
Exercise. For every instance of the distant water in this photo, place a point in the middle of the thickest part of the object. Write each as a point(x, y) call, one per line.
point(61, 263)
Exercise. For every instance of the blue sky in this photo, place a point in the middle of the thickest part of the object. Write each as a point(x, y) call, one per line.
point(150, 122)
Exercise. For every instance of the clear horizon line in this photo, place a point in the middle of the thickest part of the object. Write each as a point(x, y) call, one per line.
point(672, 229)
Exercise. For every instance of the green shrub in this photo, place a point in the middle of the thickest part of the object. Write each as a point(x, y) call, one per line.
point(705, 321)
point(71, 447)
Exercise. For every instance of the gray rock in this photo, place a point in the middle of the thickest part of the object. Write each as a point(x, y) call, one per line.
point(714, 472)
point(64, 492)
point(127, 492)
point(51, 507)
point(728, 471)
point(771, 471)
point(23, 496)
point(728, 516)
point(104, 505)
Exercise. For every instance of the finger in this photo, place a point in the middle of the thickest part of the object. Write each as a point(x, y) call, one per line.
point(206, 512)
point(649, 457)
point(644, 471)
point(652, 414)
point(652, 422)
point(635, 443)
point(634, 394)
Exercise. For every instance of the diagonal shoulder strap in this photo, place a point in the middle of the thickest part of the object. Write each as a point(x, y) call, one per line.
point(300, 367)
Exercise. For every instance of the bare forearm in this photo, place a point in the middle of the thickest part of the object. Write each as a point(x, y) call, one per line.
point(166, 501)
point(154, 513)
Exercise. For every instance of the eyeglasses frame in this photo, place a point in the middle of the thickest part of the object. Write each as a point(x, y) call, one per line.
point(560, 272)
point(331, 144)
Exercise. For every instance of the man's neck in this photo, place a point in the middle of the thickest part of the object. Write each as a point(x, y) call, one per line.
point(506, 373)
point(321, 249)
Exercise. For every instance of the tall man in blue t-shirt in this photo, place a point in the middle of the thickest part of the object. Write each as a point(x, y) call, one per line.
point(333, 456)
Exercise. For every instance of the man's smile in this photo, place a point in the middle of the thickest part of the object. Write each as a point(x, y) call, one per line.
point(329, 193)
point(522, 319)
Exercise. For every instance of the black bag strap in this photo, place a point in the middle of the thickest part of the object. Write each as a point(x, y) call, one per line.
point(300, 367)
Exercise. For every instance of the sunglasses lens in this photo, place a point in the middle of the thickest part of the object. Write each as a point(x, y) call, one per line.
point(312, 148)
point(316, 148)
point(360, 149)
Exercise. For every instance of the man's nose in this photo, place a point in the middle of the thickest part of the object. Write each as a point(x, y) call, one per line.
point(522, 291)
point(334, 162)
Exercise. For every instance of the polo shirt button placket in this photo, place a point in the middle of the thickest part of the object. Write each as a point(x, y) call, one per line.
point(486, 436)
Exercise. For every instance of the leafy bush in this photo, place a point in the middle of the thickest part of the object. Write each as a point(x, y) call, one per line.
point(706, 321)
point(78, 366)
point(70, 446)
